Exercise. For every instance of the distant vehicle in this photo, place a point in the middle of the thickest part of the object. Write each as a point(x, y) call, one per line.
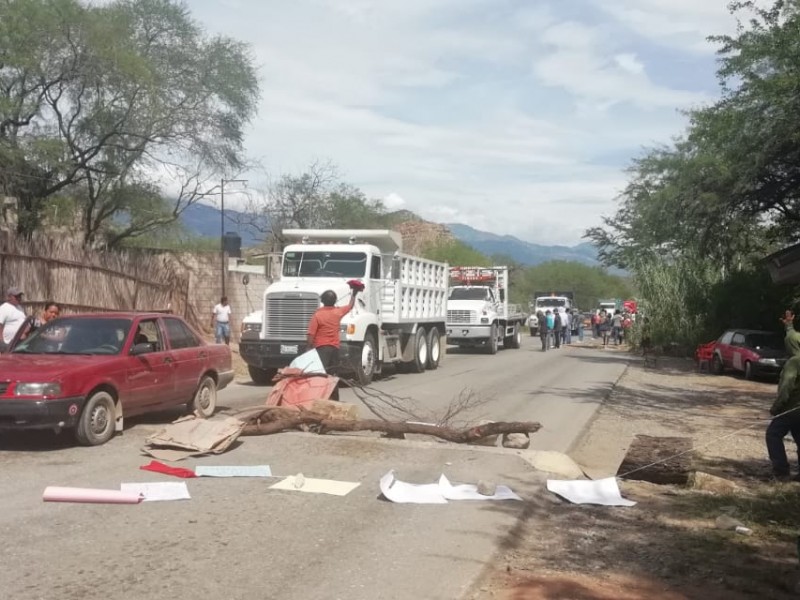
point(608, 305)
point(478, 311)
point(87, 372)
point(543, 302)
point(750, 351)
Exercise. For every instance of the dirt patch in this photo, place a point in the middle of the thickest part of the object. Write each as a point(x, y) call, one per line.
point(666, 546)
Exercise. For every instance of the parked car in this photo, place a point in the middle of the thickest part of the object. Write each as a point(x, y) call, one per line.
point(750, 351)
point(87, 372)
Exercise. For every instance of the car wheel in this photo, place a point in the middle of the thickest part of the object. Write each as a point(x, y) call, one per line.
point(434, 349)
point(716, 365)
point(261, 376)
point(749, 372)
point(97, 421)
point(204, 402)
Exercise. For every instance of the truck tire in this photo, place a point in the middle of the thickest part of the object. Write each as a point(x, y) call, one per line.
point(434, 349)
point(366, 366)
point(261, 376)
point(420, 360)
point(534, 332)
point(514, 341)
point(491, 343)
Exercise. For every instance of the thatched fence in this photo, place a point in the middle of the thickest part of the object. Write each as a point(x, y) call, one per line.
point(82, 279)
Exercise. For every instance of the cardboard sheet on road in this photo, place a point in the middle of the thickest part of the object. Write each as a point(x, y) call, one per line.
point(193, 437)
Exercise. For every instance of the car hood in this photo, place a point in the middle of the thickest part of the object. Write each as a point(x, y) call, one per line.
point(771, 353)
point(47, 367)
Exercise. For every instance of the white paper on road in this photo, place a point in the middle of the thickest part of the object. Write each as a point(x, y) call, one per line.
point(158, 490)
point(410, 493)
point(308, 362)
point(469, 491)
point(604, 492)
point(233, 471)
point(316, 486)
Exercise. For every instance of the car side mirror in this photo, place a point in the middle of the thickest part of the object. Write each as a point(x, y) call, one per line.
point(143, 348)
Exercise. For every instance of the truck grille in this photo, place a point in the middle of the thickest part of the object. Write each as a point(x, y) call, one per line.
point(461, 316)
point(288, 314)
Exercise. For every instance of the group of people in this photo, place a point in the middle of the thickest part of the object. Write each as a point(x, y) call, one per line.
point(611, 327)
point(557, 327)
point(15, 324)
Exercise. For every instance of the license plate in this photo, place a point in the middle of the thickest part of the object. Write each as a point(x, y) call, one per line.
point(288, 349)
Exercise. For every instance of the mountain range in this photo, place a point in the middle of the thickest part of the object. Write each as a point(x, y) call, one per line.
point(204, 220)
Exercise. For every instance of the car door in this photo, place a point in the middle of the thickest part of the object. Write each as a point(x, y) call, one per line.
point(191, 356)
point(150, 377)
point(737, 348)
point(724, 348)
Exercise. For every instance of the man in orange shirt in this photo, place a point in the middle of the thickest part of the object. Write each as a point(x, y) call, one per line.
point(323, 329)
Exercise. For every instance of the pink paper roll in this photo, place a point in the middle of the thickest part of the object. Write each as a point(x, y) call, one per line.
point(91, 496)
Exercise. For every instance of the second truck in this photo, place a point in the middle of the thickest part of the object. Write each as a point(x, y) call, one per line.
point(478, 311)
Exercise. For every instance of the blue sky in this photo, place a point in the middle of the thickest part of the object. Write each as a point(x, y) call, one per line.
point(513, 116)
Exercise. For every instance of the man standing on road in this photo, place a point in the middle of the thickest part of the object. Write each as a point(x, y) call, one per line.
point(323, 329)
point(788, 399)
point(221, 321)
point(11, 317)
point(557, 328)
point(566, 326)
point(543, 332)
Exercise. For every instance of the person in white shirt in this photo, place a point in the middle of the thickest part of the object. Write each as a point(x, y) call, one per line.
point(221, 321)
point(11, 317)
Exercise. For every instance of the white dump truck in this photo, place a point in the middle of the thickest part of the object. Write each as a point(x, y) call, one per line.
point(544, 301)
point(398, 318)
point(478, 311)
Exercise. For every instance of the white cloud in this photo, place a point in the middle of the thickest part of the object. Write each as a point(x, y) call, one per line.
point(505, 116)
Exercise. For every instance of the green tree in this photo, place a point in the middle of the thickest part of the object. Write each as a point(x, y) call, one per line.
point(455, 253)
point(114, 102)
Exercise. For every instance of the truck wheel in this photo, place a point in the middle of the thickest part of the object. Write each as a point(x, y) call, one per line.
point(534, 332)
point(420, 351)
point(514, 341)
point(365, 369)
point(491, 343)
point(434, 349)
point(204, 402)
point(261, 376)
point(97, 421)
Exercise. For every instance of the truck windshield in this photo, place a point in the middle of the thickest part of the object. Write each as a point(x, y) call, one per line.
point(324, 264)
point(469, 293)
point(550, 302)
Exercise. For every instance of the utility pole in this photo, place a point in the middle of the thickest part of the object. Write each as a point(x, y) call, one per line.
point(222, 225)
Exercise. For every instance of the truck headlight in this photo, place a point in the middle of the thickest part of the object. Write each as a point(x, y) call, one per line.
point(251, 327)
point(37, 389)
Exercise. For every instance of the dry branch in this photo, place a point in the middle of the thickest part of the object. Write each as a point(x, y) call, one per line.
point(274, 420)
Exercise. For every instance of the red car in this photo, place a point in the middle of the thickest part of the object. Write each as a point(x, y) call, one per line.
point(89, 371)
point(750, 351)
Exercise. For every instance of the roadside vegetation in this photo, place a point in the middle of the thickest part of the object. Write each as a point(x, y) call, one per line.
point(699, 215)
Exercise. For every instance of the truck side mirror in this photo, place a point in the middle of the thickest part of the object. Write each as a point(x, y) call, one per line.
point(395, 267)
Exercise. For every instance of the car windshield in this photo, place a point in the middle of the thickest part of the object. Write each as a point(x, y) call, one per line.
point(550, 302)
point(324, 264)
point(77, 335)
point(469, 293)
point(764, 340)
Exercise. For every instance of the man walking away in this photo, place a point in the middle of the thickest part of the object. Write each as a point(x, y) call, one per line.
point(541, 319)
point(616, 328)
point(788, 399)
point(566, 326)
point(551, 323)
point(221, 321)
point(323, 329)
point(557, 328)
point(11, 317)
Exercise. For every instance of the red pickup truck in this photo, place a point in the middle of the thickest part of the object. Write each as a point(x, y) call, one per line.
point(86, 372)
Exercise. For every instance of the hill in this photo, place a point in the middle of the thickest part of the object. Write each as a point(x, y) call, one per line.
point(204, 220)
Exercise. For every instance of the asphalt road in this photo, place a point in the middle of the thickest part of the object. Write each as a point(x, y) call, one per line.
point(236, 538)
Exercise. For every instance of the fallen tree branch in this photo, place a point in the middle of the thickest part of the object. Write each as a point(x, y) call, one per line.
point(275, 420)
